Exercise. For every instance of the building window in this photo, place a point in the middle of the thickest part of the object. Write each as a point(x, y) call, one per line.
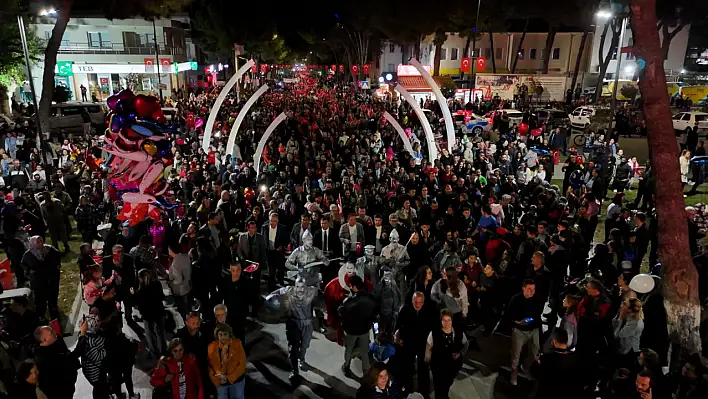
point(556, 53)
point(532, 53)
point(391, 48)
point(487, 53)
point(474, 53)
point(443, 54)
point(499, 53)
point(521, 54)
point(98, 40)
point(453, 54)
point(391, 68)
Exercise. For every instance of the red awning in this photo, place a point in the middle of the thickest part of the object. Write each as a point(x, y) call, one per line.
point(414, 84)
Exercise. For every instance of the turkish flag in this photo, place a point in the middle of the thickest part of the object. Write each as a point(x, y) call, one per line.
point(341, 68)
point(355, 69)
point(366, 69)
point(254, 68)
point(165, 63)
point(465, 65)
point(264, 68)
point(334, 68)
point(481, 64)
point(149, 65)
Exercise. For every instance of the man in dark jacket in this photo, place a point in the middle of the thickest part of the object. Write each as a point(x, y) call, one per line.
point(237, 297)
point(622, 175)
point(358, 314)
point(415, 321)
point(276, 238)
point(56, 363)
point(559, 370)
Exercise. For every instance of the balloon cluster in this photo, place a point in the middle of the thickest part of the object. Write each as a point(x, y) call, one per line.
point(139, 153)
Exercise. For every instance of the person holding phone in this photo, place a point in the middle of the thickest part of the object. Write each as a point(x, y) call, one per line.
point(178, 371)
point(524, 313)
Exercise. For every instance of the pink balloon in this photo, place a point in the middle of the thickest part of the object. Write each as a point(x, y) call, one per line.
point(199, 123)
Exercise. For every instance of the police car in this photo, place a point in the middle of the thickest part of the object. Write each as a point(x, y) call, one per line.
point(477, 124)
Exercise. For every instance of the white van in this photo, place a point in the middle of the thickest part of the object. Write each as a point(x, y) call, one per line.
point(67, 116)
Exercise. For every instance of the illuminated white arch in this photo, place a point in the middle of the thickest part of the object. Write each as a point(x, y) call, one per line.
point(399, 129)
point(219, 100)
point(240, 117)
point(432, 148)
point(264, 139)
point(442, 102)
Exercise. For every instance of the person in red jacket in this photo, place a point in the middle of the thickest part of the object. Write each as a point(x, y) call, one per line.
point(178, 370)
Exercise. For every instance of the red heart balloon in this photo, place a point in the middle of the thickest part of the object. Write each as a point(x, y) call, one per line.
point(142, 106)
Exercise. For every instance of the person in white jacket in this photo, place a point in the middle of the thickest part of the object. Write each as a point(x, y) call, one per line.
point(450, 293)
point(180, 276)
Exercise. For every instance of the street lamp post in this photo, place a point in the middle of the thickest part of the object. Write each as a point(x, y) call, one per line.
point(474, 44)
point(25, 50)
point(617, 72)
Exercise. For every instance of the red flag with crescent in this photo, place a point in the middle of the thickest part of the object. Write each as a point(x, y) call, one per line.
point(465, 65)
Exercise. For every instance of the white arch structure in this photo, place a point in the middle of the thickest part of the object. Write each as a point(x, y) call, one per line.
point(432, 148)
point(442, 102)
point(264, 139)
point(219, 100)
point(399, 129)
point(241, 116)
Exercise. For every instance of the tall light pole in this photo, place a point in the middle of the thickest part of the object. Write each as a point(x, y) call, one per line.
point(157, 58)
point(605, 15)
point(25, 50)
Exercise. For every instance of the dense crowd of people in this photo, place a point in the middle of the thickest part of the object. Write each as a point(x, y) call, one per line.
point(343, 232)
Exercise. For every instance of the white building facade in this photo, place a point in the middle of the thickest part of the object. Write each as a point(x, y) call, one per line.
point(673, 65)
point(107, 56)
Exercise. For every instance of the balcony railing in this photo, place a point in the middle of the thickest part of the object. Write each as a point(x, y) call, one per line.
point(110, 48)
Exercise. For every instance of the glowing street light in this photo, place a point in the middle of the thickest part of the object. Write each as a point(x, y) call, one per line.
point(389, 77)
point(47, 12)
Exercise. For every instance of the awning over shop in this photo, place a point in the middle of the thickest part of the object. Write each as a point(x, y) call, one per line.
point(416, 84)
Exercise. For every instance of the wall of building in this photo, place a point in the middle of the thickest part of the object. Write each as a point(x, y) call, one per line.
point(673, 64)
point(566, 46)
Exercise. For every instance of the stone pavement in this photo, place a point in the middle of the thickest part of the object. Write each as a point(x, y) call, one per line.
point(268, 366)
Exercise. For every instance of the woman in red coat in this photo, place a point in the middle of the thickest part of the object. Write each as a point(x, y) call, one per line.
point(178, 368)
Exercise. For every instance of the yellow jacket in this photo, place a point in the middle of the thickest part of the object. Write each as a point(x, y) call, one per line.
point(235, 365)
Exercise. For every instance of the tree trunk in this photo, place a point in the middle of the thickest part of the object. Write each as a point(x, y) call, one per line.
point(491, 50)
point(680, 275)
point(549, 47)
point(436, 60)
point(578, 59)
point(416, 50)
point(607, 57)
point(667, 36)
point(50, 61)
point(520, 46)
point(465, 50)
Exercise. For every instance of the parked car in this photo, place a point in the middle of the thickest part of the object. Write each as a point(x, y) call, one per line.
point(514, 116)
point(67, 116)
point(684, 121)
point(552, 117)
point(580, 117)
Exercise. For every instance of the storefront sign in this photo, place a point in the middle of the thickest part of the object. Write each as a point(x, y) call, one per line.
point(185, 66)
point(64, 68)
point(116, 68)
point(409, 70)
